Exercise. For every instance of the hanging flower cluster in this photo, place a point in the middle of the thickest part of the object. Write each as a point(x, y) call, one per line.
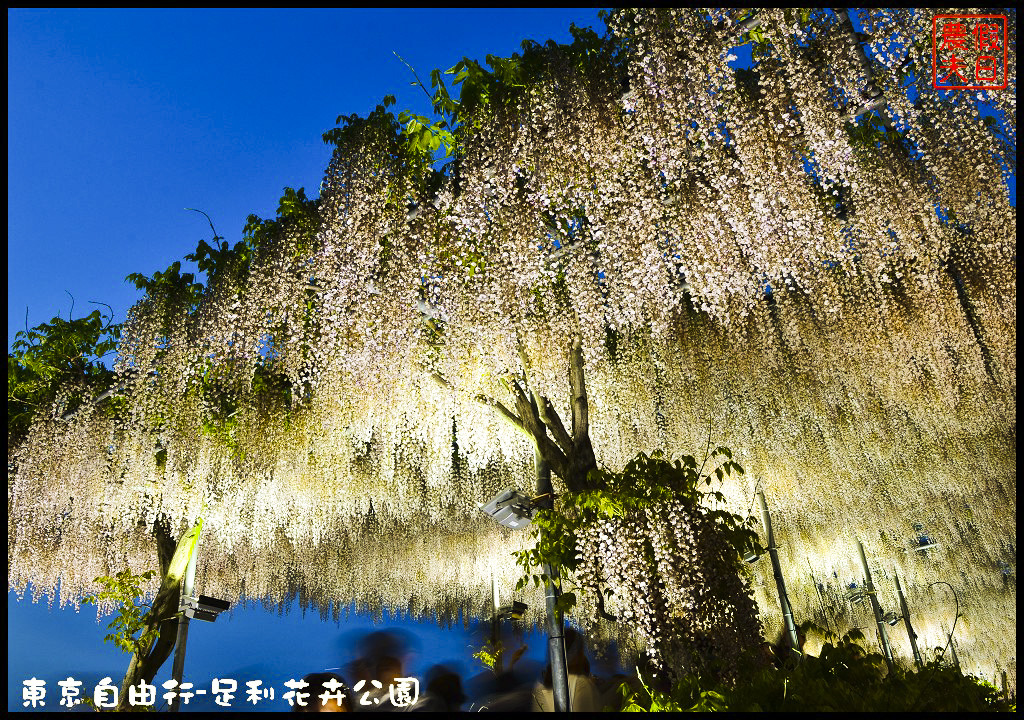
point(672, 569)
point(836, 297)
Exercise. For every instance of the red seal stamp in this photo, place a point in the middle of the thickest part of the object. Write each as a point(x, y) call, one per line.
point(969, 52)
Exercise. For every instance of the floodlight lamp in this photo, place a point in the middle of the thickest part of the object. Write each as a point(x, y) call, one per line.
point(924, 543)
point(892, 618)
point(204, 607)
point(515, 611)
point(750, 553)
point(856, 594)
point(510, 508)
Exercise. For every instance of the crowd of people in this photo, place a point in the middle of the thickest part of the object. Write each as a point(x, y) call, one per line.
point(375, 682)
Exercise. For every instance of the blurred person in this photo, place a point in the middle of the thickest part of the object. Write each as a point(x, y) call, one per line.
point(376, 695)
point(508, 690)
point(443, 692)
point(584, 695)
point(377, 671)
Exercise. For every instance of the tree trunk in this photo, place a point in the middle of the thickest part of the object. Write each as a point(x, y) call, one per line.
point(146, 662)
point(571, 457)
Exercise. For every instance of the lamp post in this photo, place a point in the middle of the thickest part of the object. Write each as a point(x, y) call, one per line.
point(191, 606)
point(906, 621)
point(515, 510)
point(495, 624)
point(780, 583)
point(187, 583)
point(555, 622)
point(883, 637)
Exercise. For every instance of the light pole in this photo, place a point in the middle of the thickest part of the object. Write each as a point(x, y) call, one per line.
point(906, 621)
point(883, 637)
point(780, 583)
point(191, 606)
point(495, 624)
point(556, 624)
point(514, 510)
point(187, 583)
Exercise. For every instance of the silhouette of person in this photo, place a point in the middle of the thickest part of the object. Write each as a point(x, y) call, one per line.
point(584, 695)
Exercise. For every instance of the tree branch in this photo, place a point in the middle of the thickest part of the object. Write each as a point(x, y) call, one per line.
point(580, 407)
point(549, 415)
point(482, 399)
point(161, 622)
point(540, 404)
point(600, 607)
point(532, 423)
point(707, 451)
point(502, 410)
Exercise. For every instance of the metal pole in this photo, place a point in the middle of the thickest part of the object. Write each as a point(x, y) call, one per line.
point(495, 624)
point(556, 626)
point(187, 585)
point(906, 621)
point(821, 600)
point(883, 637)
point(780, 584)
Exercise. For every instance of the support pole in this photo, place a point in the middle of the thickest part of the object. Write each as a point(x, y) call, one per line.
point(906, 621)
point(556, 625)
point(883, 637)
point(187, 585)
point(780, 584)
point(821, 600)
point(495, 624)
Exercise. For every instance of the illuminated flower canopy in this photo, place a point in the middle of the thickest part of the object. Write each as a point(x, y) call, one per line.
point(837, 301)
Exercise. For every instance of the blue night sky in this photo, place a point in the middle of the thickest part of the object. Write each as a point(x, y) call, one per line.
point(119, 119)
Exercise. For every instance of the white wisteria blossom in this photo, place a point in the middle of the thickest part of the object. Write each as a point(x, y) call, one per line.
point(837, 302)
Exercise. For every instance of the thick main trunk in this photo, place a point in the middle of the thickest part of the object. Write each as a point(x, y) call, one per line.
point(150, 658)
point(570, 456)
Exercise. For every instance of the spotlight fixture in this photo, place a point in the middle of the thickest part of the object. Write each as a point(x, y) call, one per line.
point(205, 608)
point(923, 541)
point(750, 553)
point(892, 618)
point(510, 508)
point(514, 611)
point(856, 594)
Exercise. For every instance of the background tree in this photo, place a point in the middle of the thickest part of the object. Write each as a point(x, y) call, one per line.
point(52, 368)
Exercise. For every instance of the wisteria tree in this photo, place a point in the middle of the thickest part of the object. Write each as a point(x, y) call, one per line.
point(629, 241)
